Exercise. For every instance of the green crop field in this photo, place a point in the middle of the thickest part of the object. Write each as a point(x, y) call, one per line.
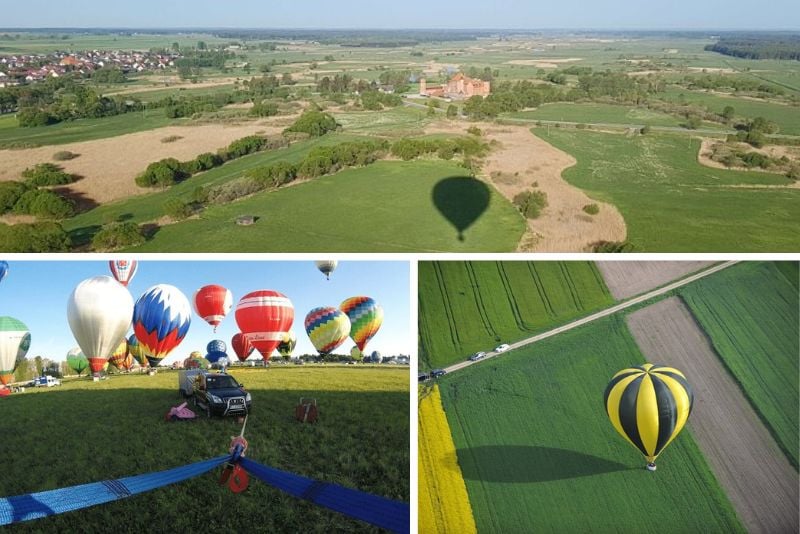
point(388, 206)
point(538, 453)
point(86, 432)
point(750, 313)
point(601, 113)
point(671, 203)
point(466, 307)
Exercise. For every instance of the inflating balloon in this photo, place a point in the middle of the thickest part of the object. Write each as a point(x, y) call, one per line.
point(212, 303)
point(216, 349)
point(14, 336)
point(137, 351)
point(119, 354)
point(77, 360)
point(356, 354)
point(375, 357)
point(127, 363)
point(161, 319)
point(366, 317)
point(327, 267)
point(649, 405)
point(287, 345)
point(263, 317)
point(99, 314)
point(241, 346)
point(327, 328)
point(123, 270)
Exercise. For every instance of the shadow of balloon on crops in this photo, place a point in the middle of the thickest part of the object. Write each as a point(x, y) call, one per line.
point(462, 200)
point(525, 463)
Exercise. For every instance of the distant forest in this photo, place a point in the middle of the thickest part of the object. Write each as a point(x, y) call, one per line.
point(784, 47)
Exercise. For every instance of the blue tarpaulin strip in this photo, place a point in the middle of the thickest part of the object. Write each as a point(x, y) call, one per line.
point(45, 503)
point(378, 511)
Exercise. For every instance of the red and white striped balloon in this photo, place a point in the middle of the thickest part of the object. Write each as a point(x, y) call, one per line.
point(123, 270)
point(264, 316)
point(212, 303)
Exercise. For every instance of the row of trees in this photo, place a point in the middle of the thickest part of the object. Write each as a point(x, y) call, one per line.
point(786, 47)
point(734, 83)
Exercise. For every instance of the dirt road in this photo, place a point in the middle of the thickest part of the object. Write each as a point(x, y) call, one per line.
point(759, 480)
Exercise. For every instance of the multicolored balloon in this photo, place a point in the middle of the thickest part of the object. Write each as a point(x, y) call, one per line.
point(327, 328)
point(119, 354)
point(241, 346)
point(15, 340)
point(123, 270)
point(327, 267)
point(366, 318)
point(127, 363)
point(137, 351)
point(77, 361)
point(649, 405)
point(212, 303)
point(216, 349)
point(287, 345)
point(99, 314)
point(3, 269)
point(195, 361)
point(264, 316)
point(161, 319)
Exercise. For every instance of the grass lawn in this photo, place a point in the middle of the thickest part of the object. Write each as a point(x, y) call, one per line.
point(85, 432)
point(671, 203)
point(750, 313)
point(538, 453)
point(466, 307)
point(599, 113)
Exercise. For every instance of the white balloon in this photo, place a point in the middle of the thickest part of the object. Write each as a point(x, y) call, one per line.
point(99, 312)
point(14, 343)
point(326, 267)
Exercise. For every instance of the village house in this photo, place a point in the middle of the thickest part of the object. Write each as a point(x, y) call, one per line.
point(458, 87)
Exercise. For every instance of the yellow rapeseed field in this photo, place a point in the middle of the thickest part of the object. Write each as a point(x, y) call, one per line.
point(443, 501)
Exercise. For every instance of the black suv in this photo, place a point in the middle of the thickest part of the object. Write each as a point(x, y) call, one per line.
point(220, 394)
point(436, 373)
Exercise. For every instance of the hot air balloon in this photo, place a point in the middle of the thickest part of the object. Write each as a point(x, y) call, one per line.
point(161, 319)
point(195, 361)
point(263, 316)
point(327, 328)
point(14, 343)
point(3, 269)
point(287, 345)
point(649, 405)
point(77, 360)
point(212, 303)
point(127, 363)
point(119, 354)
point(375, 357)
point(241, 346)
point(366, 317)
point(327, 267)
point(216, 349)
point(99, 313)
point(136, 350)
point(123, 270)
point(356, 354)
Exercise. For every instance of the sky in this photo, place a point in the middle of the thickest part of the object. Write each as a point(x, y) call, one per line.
point(521, 14)
point(36, 293)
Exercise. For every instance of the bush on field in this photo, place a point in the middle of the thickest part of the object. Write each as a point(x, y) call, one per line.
point(313, 123)
point(36, 237)
point(591, 209)
point(531, 203)
point(117, 235)
point(45, 174)
point(612, 246)
point(474, 130)
point(264, 109)
point(233, 190)
point(45, 204)
point(177, 209)
point(244, 146)
point(274, 175)
point(64, 155)
point(10, 192)
point(162, 173)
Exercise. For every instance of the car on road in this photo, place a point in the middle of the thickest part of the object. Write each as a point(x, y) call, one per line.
point(502, 348)
point(46, 381)
point(436, 373)
point(422, 377)
point(220, 394)
point(477, 356)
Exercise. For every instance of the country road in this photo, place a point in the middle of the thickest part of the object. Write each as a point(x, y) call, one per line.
point(598, 315)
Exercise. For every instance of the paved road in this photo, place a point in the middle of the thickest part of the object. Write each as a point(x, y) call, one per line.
point(599, 315)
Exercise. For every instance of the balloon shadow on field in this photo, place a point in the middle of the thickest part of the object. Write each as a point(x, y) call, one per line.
point(524, 463)
point(462, 200)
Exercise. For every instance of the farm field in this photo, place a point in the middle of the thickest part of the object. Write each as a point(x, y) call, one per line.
point(467, 307)
point(115, 428)
point(532, 437)
point(750, 314)
point(600, 113)
point(642, 175)
point(443, 500)
point(626, 279)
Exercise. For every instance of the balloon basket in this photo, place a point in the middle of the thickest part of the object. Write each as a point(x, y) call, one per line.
point(306, 411)
point(151, 372)
point(650, 467)
point(95, 378)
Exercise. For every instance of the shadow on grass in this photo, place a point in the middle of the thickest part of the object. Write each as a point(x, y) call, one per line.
point(462, 200)
point(82, 202)
point(82, 236)
point(525, 463)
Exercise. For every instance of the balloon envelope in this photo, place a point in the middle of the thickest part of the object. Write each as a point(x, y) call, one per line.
point(119, 354)
point(212, 303)
point(648, 405)
point(14, 336)
point(3, 269)
point(241, 346)
point(326, 267)
point(356, 354)
point(161, 319)
point(264, 316)
point(216, 349)
point(288, 343)
point(99, 314)
point(366, 318)
point(327, 328)
point(123, 270)
point(77, 360)
point(136, 350)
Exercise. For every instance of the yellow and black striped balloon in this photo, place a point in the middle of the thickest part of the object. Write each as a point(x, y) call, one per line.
point(649, 405)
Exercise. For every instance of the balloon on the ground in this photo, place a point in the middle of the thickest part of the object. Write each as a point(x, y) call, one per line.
point(127, 363)
point(241, 346)
point(375, 357)
point(123, 270)
point(264, 316)
point(366, 318)
point(3, 269)
point(326, 267)
point(14, 335)
point(77, 360)
point(356, 354)
point(99, 314)
point(287, 345)
point(195, 361)
point(161, 319)
point(327, 328)
point(119, 354)
point(216, 349)
point(212, 303)
point(137, 350)
point(648, 405)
